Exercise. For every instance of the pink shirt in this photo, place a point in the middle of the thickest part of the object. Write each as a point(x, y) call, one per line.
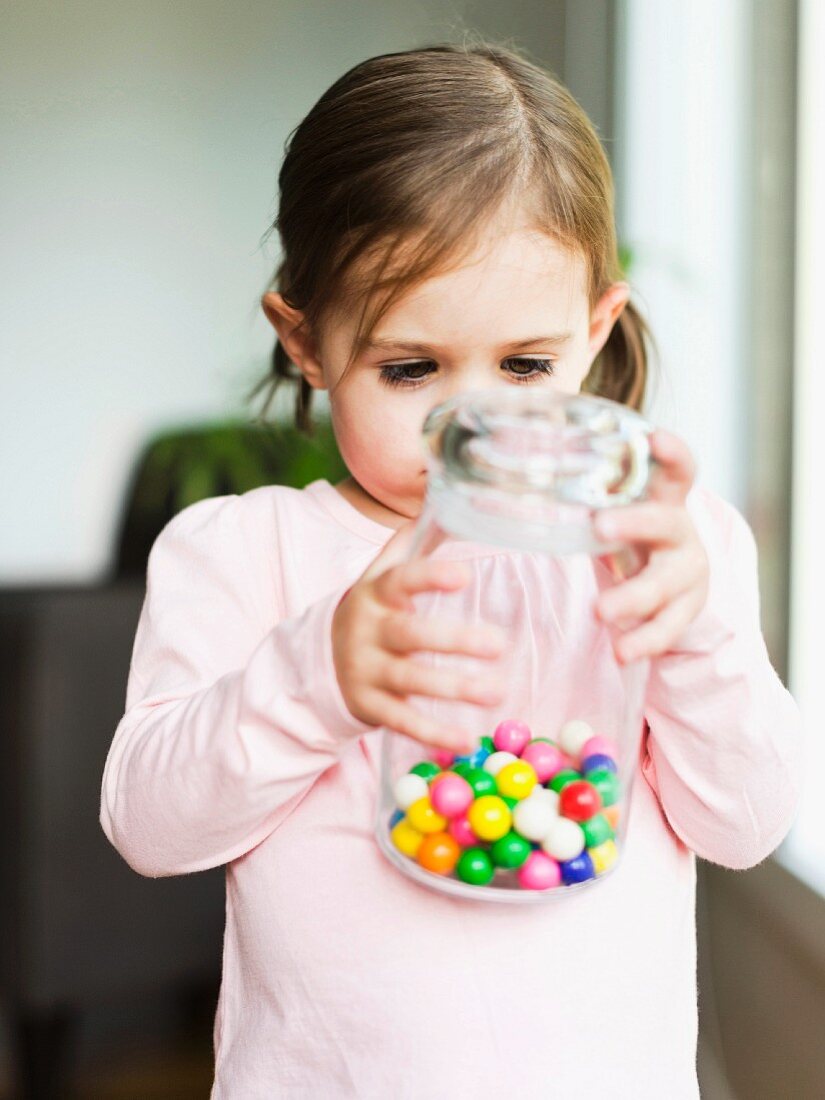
point(342, 978)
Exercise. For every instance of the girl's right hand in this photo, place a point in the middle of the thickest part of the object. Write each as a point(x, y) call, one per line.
point(375, 631)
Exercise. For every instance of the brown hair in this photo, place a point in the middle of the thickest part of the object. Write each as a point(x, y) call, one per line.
point(424, 147)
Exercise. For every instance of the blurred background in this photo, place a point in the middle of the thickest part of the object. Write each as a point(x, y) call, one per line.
point(141, 145)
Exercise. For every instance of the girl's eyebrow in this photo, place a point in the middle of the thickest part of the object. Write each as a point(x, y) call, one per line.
point(413, 346)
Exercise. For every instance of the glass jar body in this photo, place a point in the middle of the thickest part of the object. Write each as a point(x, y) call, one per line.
point(538, 808)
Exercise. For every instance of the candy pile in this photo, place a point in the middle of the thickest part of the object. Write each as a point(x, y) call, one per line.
point(531, 813)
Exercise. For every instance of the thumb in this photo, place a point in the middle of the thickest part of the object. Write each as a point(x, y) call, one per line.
point(394, 551)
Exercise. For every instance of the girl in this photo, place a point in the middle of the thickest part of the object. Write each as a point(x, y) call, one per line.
point(446, 222)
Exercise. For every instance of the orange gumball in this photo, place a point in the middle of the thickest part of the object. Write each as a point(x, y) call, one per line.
point(439, 853)
point(612, 814)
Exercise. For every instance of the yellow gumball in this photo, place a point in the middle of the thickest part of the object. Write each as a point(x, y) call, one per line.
point(423, 817)
point(604, 856)
point(516, 780)
point(406, 838)
point(490, 817)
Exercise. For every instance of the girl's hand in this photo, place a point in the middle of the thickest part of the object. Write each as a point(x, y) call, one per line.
point(375, 632)
point(654, 607)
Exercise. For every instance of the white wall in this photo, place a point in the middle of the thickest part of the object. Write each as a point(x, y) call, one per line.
point(141, 144)
point(682, 185)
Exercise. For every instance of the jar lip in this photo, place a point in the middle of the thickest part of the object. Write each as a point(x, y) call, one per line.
point(575, 448)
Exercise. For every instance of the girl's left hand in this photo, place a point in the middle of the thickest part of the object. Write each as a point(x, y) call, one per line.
point(652, 608)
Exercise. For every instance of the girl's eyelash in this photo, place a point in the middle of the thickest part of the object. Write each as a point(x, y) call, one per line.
point(396, 374)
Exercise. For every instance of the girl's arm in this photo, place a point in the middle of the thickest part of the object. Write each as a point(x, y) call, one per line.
point(724, 750)
point(229, 720)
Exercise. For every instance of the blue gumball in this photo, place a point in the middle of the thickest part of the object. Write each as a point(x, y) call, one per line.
point(579, 869)
point(478, 757)
point(599, 760)
point(396, 817)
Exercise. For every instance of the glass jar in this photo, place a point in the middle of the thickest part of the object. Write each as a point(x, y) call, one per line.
point(538, 809)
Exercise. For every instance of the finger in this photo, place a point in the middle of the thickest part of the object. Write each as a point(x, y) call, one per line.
point(675, 468)
point(400, 583)
point(398, 715)
point(405, 676)
point(650, 522)
point(658, 634)
point(645, 594)
point(394, 551)
point(412, 633)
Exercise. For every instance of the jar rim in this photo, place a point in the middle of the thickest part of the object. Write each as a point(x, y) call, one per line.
point(572, 448)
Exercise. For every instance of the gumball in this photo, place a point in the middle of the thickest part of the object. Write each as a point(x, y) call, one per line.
point(573, 735)
point(511, 802)
point(443, 757)
point(533, 817)
point(475, 867)
point(603, 746)
point(487, 743)
point(596, 831)
point(516, 780)
point(511, 736)
point(450, 794)
point(490, 817)
point(579, 800)
point(545, 758)
point(427, 769)
point(464, 758)
point(439, 853)
point(481, 781)
point(461, 768)
point(612, 813)
point(406, 838)
point(606, 783)
point(562, 778)
point(539, 872)
point(423, 817)
point(477, 760)
point(498, 760)
point(510, 851)
point(461, 830)
point(408, 789)
point(397, 816)
point(579, 869)
point(564, 841)
point(598, 760)
point(604, 856)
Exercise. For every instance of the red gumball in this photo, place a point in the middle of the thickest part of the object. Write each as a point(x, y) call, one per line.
point(579, 800)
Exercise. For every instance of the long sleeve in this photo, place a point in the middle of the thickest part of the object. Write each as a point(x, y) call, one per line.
point(724, 749)
point(229, 719)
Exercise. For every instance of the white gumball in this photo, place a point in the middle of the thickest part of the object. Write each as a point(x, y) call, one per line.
point(534, 817)
point(498, 760)
point(408, 789)
point(573, 735)
point(545, 794)
point(565, 839)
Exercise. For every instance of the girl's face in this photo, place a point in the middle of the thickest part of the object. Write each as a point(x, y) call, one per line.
point(516, 313)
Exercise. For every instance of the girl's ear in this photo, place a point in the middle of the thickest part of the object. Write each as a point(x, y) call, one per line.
point(297, 341)
point(605, 314)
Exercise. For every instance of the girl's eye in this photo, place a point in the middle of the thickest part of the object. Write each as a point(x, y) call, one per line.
point(535, 368)
point(411, 374)
point(406, 374)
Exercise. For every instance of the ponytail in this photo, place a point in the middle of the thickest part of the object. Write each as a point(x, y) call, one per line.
point(620, 371)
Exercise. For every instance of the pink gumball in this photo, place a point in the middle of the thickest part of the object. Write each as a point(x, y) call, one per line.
point(450, 795)
point(461, 830)
point(546, 759)
point(442, 757)
point(598, 746)
point(539, 872)
point(511, 736)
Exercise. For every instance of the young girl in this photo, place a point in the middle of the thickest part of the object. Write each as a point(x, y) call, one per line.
point(446, 222)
